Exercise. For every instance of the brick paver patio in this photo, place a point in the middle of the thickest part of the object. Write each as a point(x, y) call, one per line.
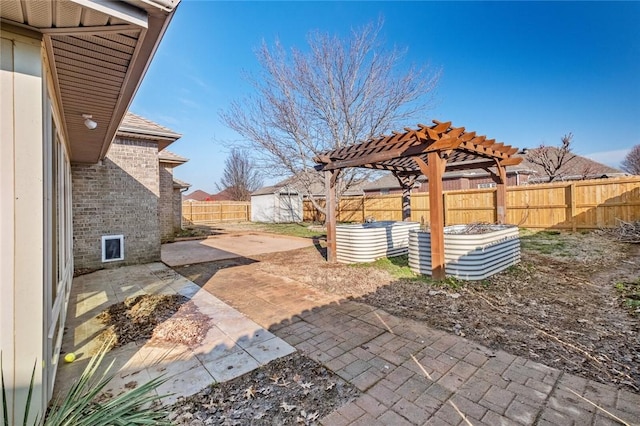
point(411, 374)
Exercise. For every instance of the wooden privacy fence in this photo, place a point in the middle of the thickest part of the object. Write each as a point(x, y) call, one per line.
point(587, 204)
point(209, 212)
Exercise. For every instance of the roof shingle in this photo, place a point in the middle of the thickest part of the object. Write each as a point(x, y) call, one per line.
point(167, 156)
point(133, 123)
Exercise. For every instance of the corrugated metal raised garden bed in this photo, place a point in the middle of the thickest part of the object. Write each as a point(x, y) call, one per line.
point(367, 242)
point(472, 252)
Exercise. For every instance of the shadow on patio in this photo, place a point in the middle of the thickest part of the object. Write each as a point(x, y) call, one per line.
point(233, 344)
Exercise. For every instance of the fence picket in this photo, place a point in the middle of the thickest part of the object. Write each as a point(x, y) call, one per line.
point(210, 212)
point(587, 204)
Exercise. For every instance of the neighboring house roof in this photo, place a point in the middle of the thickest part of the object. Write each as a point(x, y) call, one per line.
point(180, 184)
point(294, 185)
point(166, 156)
point(197, 195)
point(98, 52)
point(577, 168)
point(224, 195)
point(135, 126)
point(278, 188)
point(388, 181)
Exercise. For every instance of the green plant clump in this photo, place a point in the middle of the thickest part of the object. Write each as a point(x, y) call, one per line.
point(545, 242)
point(303, 230)
point(630, 295)
point(398, 267)
point(79, 407)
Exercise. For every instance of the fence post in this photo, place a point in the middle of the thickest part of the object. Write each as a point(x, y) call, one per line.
point(445, 208)
point(364, 208)
point(572, 200)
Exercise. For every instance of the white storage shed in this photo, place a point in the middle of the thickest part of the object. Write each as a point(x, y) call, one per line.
point(276, 204)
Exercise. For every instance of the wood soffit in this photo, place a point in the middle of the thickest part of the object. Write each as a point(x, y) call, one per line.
point(96, 53)
point(462, 150)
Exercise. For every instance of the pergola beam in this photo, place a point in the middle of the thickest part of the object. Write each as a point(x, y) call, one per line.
point(378, 157)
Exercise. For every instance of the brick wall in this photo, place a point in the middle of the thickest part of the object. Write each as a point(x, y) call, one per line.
point(177, 209)
point(165, 209)
point(119, 196)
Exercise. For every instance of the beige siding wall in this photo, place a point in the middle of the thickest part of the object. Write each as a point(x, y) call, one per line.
point(23, 254)
point(119, 196)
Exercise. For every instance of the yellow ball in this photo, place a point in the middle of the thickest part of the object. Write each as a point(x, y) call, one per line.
point(70, 357)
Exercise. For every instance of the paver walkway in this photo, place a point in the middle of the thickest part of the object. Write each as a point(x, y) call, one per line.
point(411, 374)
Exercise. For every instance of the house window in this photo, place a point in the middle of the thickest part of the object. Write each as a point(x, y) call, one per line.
point(384, 192)
point(112, 248)
point(487, 185)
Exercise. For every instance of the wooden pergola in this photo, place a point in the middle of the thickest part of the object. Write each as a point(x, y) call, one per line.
point(429, 151)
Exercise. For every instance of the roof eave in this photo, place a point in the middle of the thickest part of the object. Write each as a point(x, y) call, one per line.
point(135, 132)
point(167, 161)
point(158, 24)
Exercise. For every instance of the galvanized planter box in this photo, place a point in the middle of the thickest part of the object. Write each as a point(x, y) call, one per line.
point(367, 242)
point(467, 256)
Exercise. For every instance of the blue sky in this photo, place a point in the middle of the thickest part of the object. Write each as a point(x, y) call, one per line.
point(523, 73)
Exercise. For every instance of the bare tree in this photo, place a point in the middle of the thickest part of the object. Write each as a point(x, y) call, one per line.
point(551, 159)
point(339, 92)
point(631, 163)
point(240, 177)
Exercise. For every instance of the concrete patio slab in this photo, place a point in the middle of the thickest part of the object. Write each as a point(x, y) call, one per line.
point(233, 344)
point(228, 246)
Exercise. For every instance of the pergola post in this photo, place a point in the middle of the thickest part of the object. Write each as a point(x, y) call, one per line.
point(406, 182)
point(500, 178)
point(330, 177)
point(434, 169)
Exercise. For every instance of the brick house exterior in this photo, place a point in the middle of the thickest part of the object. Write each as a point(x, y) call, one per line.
point(170, 212)
point(179, 187)
point(130, 193)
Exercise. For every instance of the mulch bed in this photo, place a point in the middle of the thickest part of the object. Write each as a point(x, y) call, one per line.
point(166, 318)
point(294, 390)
